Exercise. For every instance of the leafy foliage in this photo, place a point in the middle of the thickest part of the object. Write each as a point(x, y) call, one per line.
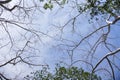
point(49, 3)
point(62, 73)
point(97, 7)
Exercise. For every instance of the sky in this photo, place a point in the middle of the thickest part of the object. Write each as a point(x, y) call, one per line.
point(51, 48)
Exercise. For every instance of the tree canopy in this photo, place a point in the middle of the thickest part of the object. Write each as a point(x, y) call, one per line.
point(62, 73)
point(93, 7)
point(22, 36)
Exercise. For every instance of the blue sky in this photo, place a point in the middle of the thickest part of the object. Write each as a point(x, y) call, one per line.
point(52, 47)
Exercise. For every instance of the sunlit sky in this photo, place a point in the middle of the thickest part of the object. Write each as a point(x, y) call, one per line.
point(50, 22)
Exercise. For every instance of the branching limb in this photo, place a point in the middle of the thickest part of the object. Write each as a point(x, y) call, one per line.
point(8, 62)
point(106, 56)
point(9, 9)
point(5, 2)
point(113, 74)
point(2, 77)
point(117, 18)
point(89, 36)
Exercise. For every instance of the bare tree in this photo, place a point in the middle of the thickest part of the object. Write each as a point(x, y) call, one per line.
point(101, 48)
point(16, 17)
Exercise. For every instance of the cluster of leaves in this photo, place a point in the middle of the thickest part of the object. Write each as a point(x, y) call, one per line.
point(98, 7)
point(49, 4)
point(62, 73)
point(95, 7)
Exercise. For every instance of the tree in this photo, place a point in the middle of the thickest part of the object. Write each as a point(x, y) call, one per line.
point(62, 73)
point(17, 17)
point(15, 46)
point(108, 11)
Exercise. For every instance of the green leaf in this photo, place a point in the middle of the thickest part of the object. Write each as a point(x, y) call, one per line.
point(63, 2)
point(48, 6)
point(45, 6)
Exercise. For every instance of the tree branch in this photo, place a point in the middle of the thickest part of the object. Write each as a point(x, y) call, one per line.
point(6, 8)
point(5, 2)
point(114, 21)
point(2, 77)
point(8, 62)
point(109, 54)
point(113, 74)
